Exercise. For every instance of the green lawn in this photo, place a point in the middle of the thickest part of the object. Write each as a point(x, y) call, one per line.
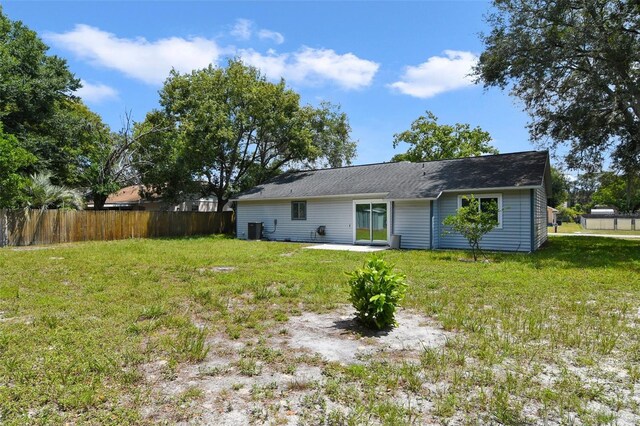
point(533, 338)
point(576, 228)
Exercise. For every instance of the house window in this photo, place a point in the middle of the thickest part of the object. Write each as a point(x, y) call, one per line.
point(298, 210)
point(485, 200)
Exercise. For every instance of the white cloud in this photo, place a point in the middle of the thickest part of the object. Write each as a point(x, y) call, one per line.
point(274, 36)
point(138, 58)
point(242, 29)
point(273, 65)
point(151, 61)
point(314, 66)
point(96, 93)
point(437, 75)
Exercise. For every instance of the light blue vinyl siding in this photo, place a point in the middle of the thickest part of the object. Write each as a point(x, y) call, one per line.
point(335, 214)
point(436, 227)
point(411, 220)
point(540, 217)
point(514, 235)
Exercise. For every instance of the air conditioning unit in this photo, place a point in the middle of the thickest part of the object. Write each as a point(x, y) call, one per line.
point(255, 230)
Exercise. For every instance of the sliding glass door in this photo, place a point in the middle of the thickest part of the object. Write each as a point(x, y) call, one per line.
point(371, 222)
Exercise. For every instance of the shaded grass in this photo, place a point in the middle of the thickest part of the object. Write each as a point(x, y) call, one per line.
point(78, 320)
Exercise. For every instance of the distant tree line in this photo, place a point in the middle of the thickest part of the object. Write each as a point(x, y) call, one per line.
point(577, 195)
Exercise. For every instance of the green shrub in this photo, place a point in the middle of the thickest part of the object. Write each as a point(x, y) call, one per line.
point(375, 293)
point(473, 221)
point(568, 214)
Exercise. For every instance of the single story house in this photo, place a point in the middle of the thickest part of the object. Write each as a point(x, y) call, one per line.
point(552, 216)
point(130, 198)
point(369, 204)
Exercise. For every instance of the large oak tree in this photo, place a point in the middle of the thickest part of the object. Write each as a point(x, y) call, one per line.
point(229, 128)
point(32, 82)
point(14, 161)
point(39, 109)
point(576, 66)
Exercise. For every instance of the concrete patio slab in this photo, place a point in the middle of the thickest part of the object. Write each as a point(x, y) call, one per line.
point(347, 247)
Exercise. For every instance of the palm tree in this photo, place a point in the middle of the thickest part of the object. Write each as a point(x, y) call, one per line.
point(44, 195)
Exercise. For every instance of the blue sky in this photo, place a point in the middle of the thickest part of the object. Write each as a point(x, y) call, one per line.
point(385, 63)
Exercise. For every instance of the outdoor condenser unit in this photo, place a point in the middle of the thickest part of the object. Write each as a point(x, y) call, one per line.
point(255, 230)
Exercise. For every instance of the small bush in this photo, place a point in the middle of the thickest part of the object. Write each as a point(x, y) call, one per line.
point(473, 221)
point(375, 293)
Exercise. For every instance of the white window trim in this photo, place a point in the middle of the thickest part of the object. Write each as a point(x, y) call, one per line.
point(479, 196)
point(305, 210)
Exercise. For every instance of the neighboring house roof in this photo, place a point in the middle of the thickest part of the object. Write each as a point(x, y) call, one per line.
point(129, 194)
point(406, 180)
point(603, 211)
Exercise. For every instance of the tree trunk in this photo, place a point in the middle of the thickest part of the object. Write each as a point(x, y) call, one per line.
point(628, 193)
point(99, 201)
point(221, 203)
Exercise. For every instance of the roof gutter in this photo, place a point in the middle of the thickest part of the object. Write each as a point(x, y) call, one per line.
point(498, 188)
point(414, 199)
point(385, 194)
point(313, 197)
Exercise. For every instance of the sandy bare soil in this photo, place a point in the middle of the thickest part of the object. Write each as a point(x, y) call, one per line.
point(336, 336)
point(284, 387)
point(282, 378)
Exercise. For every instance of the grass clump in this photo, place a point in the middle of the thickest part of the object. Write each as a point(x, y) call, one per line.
point(191, 345)
point(375, 292)
point(152, 312)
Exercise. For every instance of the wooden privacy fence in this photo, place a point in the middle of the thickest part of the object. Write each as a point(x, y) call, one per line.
point(22, 228)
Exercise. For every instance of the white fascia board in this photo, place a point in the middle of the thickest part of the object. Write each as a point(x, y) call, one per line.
point(316, 197)
point(493, 189)
point(414, 199)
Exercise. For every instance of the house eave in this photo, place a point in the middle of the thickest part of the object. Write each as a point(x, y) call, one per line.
point(385, 195)
point(413, 198)
point(314, 197)
point(489, 189)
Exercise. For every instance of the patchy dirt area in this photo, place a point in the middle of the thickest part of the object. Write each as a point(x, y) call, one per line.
point(605, 381)
point(279, 379)
point(337, 336)
point(217, 269)
point(24, 319)
point(33, 248)
point(310, 370)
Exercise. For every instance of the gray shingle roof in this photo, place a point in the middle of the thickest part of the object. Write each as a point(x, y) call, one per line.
point(409, 180)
